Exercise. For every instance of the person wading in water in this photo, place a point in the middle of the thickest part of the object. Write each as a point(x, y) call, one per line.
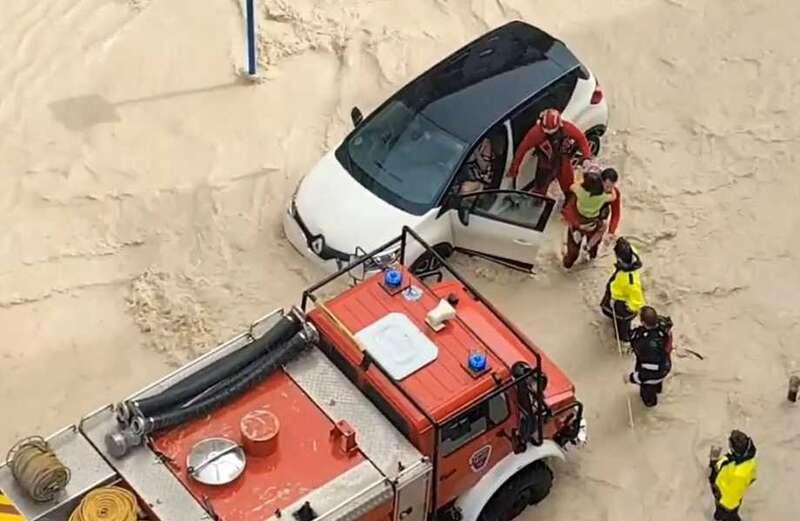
point(624, 296)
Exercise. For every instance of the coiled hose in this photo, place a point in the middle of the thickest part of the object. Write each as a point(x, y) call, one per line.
point(107, 504)
point(37, 469)
point(219, 370)
point(236, 385)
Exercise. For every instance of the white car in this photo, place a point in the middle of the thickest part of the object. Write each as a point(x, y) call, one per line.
point(406, 164)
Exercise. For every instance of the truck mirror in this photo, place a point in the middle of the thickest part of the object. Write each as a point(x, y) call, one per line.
point(356, 116)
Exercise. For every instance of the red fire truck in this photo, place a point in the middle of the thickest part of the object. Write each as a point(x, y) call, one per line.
point(394, 398)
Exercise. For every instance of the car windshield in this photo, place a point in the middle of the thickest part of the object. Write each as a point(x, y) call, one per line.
point(403, 157)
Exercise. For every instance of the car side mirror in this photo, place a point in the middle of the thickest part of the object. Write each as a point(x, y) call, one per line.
point(356, 116)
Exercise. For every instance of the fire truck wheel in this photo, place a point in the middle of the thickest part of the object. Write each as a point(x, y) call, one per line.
point(527, 487)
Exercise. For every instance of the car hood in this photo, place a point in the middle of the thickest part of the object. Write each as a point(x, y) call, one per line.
point(330, 202)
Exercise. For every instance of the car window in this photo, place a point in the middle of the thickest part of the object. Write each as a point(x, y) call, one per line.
point(485, 165)
point(473, 423)
point(403, 157)
point(518, 208)
point(556, 97)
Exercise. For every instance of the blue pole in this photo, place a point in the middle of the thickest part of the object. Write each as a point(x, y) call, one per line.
point(251, 37)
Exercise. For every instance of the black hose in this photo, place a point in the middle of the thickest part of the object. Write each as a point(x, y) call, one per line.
point(240, 383)
point(220, 369)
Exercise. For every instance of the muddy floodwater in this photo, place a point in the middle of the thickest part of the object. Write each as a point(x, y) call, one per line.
point(143, 185)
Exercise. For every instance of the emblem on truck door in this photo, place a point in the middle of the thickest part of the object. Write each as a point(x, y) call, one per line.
point(480, 458)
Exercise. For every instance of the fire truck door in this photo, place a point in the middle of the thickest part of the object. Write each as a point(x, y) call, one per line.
point(412, 492)
point(470, 445)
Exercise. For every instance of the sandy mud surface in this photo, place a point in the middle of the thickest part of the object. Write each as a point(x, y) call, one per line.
point(143, 183)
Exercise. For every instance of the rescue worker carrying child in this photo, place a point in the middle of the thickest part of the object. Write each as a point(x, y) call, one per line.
point(587, 213)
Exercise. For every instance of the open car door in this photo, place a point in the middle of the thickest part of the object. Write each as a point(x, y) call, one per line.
point(506, 226)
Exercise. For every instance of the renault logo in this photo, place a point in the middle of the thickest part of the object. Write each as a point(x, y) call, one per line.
point(317, 244)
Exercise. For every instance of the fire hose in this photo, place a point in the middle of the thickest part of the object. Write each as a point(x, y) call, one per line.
point(219, 370)
point(37, 469)
point(237, 384)
point(107, 504)
point(118, 443)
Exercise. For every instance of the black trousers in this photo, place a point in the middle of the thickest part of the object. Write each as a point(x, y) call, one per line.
point(720, 512)
point(723, 514)
point(649, 393)
point(624, 316)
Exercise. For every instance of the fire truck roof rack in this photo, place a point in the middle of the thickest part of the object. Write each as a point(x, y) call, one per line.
point(402, 240)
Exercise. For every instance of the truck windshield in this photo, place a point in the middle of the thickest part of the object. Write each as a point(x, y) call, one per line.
point(403, 157)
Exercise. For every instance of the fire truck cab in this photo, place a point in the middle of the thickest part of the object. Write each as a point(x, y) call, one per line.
point(393, 399)
point(468, 396)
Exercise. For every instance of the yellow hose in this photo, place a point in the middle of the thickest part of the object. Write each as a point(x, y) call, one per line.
point(107, 504)
point(37, 469)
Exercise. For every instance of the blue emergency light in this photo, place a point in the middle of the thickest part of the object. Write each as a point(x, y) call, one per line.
point(477, 362)
point(393, 279)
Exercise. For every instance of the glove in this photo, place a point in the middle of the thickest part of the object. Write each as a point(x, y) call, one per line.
point(665, 323)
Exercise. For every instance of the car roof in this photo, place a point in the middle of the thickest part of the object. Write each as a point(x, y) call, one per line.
point(475, 87)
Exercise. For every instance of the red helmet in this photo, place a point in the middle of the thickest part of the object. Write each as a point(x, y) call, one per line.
point(550, 120)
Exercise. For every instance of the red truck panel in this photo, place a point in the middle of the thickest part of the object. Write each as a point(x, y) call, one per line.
point(305, 459)
point(440, 388)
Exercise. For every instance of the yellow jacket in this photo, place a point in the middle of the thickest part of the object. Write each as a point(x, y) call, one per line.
point(627, 287)
point(733, 479)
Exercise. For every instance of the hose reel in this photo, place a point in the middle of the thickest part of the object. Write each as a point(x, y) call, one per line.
point(37, 469)
point(107, 504)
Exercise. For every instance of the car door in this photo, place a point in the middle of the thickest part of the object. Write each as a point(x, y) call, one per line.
point(506, 226)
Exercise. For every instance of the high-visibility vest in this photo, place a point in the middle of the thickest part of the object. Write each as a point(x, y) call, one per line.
point(626, 286)
point(733, 480)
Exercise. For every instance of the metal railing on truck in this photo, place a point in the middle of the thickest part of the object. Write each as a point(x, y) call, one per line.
point(535, 372)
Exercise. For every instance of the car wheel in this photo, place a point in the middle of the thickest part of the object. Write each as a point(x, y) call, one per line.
point(427, 263)
point(527, 487)
point(593, 136)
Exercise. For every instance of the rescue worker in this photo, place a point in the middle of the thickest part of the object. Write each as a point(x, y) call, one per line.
point(586, 214)
point(591, 196)
point(552, 139)
point(610, 178)
point(731, 476)
point(652, 346)
point(624, 296)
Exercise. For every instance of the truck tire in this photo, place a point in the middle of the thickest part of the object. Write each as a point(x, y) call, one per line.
point(527, 487)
